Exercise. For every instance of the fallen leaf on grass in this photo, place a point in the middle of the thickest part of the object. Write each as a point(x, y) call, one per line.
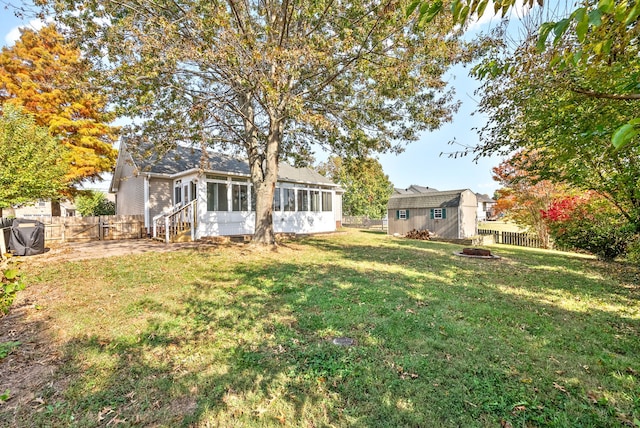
point(560, 388)
point(505, 424)
point(104, 412)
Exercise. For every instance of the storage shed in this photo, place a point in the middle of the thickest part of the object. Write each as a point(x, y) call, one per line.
point(449, 214)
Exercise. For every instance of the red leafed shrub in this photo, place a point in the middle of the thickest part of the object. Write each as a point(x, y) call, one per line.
point(589, 223)
point(561, 209)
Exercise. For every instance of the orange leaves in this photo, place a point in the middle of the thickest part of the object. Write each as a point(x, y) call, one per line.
point(48, 78)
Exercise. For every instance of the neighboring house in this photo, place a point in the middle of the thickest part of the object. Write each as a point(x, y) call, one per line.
point(42, 208)
point(157, 186)
point(449, 214)
point(485, 207)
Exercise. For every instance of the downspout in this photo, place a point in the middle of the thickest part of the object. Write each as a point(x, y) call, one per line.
point(146, 202)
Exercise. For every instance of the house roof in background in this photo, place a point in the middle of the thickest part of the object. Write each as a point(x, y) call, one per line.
point(414, 189)
point(437, 199)
point(181, 158)
point(482, 197)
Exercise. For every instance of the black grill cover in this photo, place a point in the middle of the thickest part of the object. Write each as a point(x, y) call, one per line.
point(27, 237)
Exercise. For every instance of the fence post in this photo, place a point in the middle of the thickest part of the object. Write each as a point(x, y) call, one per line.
point(166, 229)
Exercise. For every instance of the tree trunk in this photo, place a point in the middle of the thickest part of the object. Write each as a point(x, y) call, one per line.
point(263, 163)
point(264, 174)
point(264, 233)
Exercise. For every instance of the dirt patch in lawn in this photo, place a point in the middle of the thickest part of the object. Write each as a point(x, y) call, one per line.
point(74, 251)
point(30, 365)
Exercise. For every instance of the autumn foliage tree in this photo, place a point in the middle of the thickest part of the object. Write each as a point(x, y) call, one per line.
point(523, 196)
point(270, 78)
point(49, 78)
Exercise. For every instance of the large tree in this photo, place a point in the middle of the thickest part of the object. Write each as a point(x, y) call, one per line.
point(270, 78)
point(546, 114)
point(366, 187)
point(49, 78)
point(33, 163)
point(591, 37)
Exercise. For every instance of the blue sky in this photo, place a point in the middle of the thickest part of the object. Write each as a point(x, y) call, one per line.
point(421, 162)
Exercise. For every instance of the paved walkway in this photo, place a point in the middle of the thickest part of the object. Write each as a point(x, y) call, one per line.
point(73, 251)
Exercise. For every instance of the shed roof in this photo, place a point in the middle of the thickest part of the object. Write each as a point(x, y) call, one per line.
point(447, 198)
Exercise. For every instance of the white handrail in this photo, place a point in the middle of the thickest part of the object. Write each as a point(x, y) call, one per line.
point(177, 220)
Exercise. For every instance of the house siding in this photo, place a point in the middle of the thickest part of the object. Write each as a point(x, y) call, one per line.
point(420, 219)
point(468, 214)
point(160, 194)
point(130, 195)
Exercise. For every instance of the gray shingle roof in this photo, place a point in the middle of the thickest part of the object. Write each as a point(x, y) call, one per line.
point(182, 159)
point(483, 197)
point(448, 198)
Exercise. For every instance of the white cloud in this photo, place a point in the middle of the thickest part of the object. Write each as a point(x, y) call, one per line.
point(14, 34)
point(518, 10)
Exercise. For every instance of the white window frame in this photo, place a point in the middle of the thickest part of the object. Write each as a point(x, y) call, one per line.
point(437, 214)
point(402, 214)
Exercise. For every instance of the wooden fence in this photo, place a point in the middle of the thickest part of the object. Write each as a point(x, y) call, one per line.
point(364, 222)
point(108, 227)
point(521, 239)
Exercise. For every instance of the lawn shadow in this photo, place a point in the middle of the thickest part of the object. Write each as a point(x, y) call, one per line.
point(439, 341)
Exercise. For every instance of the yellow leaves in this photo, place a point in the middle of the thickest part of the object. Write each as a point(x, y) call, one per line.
point(49, 78)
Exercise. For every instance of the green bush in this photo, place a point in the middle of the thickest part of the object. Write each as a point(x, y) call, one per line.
point(94, 203)
point(633, 250)
point(10, 283)
point(589, 223)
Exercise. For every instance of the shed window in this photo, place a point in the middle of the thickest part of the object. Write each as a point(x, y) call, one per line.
point(438, 213)
point(402, 214)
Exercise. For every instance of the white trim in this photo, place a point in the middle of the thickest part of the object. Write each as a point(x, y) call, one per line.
point(146, 201)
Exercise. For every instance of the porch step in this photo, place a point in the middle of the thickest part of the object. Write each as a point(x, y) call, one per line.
point(184, 236)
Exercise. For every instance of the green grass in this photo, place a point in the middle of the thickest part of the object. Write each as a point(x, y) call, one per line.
point(233, 337)
point(500, 226)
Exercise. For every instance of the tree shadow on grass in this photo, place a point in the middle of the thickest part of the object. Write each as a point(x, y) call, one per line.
point(438, 343)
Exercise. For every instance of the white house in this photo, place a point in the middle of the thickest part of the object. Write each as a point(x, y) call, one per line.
point(216, 191)
point(485, 207)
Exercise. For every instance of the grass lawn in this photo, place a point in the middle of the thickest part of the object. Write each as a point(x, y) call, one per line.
point(500, 226)
point(234, 337)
